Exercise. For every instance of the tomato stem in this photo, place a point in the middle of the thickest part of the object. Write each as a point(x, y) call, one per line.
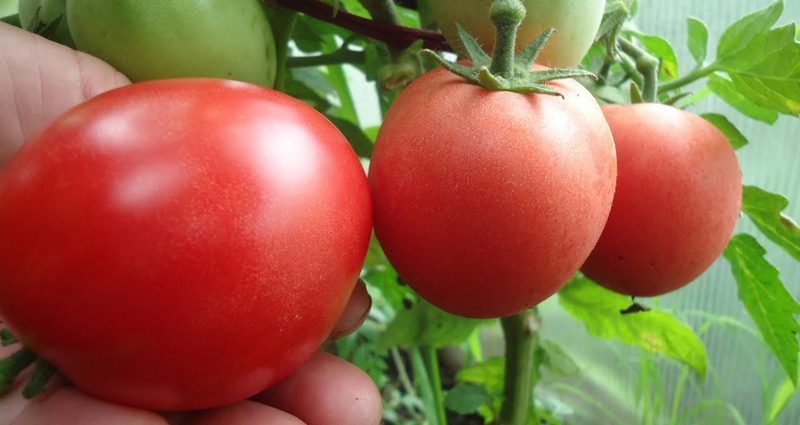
point(436, 383)
point(647, 65)
point(423, 379)
point(521, 335)
point(507, 16)
point(687, 79)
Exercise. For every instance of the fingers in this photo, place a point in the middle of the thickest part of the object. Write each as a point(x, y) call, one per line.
point(39, 80)
point(244, 413)
point(327, 391)
point(355, 313)
point(68, 406)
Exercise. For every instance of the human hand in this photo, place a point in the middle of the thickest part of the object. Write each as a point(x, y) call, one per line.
point(40, 80)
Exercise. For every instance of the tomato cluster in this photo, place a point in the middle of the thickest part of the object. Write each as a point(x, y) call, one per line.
point(207, 233)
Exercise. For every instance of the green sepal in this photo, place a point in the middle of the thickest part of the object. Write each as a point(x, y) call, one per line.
point(636, 93)
point(521, 78)
point(476, 54)
point(462, 71)
point(7, 338)
point(677, 98)
point(560, 74)
point(42, 372)
point(490, 81)
point(12, 365)
point(12, 20)
point(527, 57)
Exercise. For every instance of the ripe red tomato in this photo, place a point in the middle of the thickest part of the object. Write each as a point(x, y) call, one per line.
point(487, 202)
point(678, 196)
point(181, 244)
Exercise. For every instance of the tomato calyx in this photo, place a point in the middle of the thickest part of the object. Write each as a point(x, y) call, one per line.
point(505, 70)
point(16, 362)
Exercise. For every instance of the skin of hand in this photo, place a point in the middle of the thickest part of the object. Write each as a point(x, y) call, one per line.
point(39, 80)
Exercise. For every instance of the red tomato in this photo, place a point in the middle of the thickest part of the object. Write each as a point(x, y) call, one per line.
point(181, 244)
point(678, 196)
point(487, 202)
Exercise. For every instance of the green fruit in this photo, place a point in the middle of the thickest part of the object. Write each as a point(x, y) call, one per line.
point(576, 23)
point(150, 40)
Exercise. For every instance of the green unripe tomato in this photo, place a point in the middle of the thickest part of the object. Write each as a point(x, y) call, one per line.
point(576, 23)
point(46, 17)
point(151, 40)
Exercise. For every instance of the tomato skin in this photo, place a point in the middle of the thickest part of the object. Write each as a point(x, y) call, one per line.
point(487, 202)
point(169, 252)
point(576, 23)
point(229, 39)
point(678, 198)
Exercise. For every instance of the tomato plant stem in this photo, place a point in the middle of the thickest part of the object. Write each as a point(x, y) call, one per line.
point(423, 379)
point(400, 365)
point(520, 331)
point(436, 383)
point(395, 35)
point(687, 79)
point(341, 56)
point(647, 65)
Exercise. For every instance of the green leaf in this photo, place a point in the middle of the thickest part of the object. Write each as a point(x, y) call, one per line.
point(741, 32)
point(466, 398)
point(734, 136)
point(12, 20)
point(766, 299)
point(780, 400)
point(698, 40)
point(762, 62)
point(694, 98)
point(306, 34)
point(313, 98)
point(553, 358)
point(765, 209)
point(310, 85)
point(655, 331)
point(614, 17)
point(489, 373)
point(727, 91)
point(767, 73)
point(379, 275)
point(424, 325)
point(664, 52)
point(338, 80)
point(360, 142)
